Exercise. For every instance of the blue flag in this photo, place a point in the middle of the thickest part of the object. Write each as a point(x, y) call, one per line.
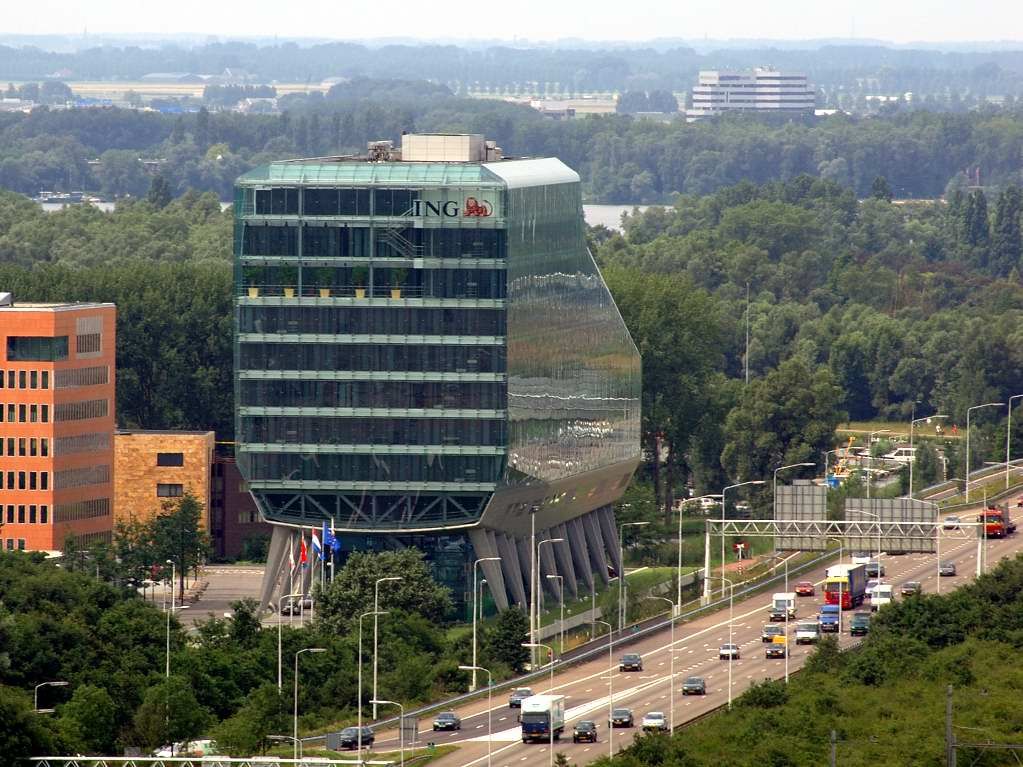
point(330, 540)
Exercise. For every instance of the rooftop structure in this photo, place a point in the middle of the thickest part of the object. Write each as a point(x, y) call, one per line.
point(427, 356)
point(762, 90)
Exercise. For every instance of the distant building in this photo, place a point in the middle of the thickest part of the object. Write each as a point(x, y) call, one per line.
point(154, 467)
point(235, 525)
point(57, 403)
point(762, 90)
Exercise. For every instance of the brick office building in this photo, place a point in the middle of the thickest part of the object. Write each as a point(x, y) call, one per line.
point(57, 408)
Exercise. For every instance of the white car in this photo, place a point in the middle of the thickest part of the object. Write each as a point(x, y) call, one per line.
point(728, 652)
point(861, 558)
point(655, 721)
point(951, 523)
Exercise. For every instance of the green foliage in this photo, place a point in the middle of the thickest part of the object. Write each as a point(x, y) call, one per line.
point(178, 536)
point(88, 723)
point(23, 733)
point(170, 713)
point(245, 732)
point(769, 693)
point(503, 642)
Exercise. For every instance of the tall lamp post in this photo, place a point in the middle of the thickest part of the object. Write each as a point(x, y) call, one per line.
point(376, 609)
point(538, 583)
point(621, 575)
point(475, 609)
point(774, 483)
point(401, 726)
point(561, 621)
point(35, 696)
point(731, 600)
point(968, 411)
point(550, 723)
point(490, 689)
point(358, 702)
point(678, 596)
point(610, 688)
point(870, 454)
point(295, 725)
point(912, 453)
point(1008, 438)
point(671, 673)
point(724, 494)
point(280, 672)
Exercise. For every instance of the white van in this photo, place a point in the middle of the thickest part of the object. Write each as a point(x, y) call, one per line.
point(903, 455)
point(881, 596)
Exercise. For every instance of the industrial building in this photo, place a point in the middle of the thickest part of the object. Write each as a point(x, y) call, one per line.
point(427, 356)
point(762, 90)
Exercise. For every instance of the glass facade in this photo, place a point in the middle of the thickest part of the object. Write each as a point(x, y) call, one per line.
point(419, 343)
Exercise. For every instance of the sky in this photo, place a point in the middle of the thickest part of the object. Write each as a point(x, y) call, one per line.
point(898, 21)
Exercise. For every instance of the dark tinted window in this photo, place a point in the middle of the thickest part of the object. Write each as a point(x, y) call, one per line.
point(394, 202)
point(276, 202)
point(36, 349)
point(170, 459)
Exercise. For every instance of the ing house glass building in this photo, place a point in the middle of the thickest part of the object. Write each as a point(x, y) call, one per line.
point(426, 355)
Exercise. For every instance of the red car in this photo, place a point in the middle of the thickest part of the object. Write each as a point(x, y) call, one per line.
point(805, 589)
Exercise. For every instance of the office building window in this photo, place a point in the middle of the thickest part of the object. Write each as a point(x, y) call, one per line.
point(22, 376)
point(164, 490)
point(71, 379)
point(170, 459)
point(88, 343)
point(21, 514)
point(78, 411)
point(46, 379)
point(72, 512)
point(10, 514)
point(32, 514)
point(43, 515)
point(33, 379)
point(36, 349)
point(10, 544)
point(21, 544)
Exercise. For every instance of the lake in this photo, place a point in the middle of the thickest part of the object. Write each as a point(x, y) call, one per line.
point(608, 215)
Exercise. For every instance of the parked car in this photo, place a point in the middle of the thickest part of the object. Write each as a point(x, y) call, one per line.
point(694, 685)
point(777, 648)
point(447, 720)
point(859, 624)
point(875, 569)
point(350, 737)
point(517, 696)
point(728, 651)
point(771, 631)
point(655, 721)
point(631, 662)
point(951, 523)
point(947, 569)
point(622, 717)
point(805, 589)
point(909, 588)
point(584, 731)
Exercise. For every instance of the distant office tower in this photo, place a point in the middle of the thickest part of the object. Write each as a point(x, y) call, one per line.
point(56, 423)
point(762, 90)
point(427, 356)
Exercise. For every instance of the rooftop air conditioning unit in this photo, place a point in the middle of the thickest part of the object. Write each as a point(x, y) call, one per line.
point(6, 299)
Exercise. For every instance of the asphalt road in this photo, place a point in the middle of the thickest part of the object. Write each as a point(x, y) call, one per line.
point(696, 654)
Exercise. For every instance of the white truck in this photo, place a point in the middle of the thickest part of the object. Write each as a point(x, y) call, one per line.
point(543, 718)
point(881, 596)
point(783, 603)
point(807, 633)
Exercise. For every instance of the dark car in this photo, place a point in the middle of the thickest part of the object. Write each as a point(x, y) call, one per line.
point(622, 717)
point(517, 696)
point(947, 569)
point(875, 569)
point(350, 737)
point(630, 662)
point(694, 685)
point(778, 614)
point(448, 720)
point(585, 731)
point(910, 588)
point(776, 649)
point(859, 624)
point(771, 631)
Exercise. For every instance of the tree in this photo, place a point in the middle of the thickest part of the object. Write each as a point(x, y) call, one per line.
point(927, 470)
point(178, 536)
point(263, 714)
point(170, 713)
point(159, 194)
point(880, 190)
point(88, 722)
point(503, 643)
point(351, 592)
point(1006, 240)
point(23, 733)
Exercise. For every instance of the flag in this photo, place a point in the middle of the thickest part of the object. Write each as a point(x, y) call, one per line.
point(317, 548)
point(330, 540)
point(291, 554)
point(303, 552)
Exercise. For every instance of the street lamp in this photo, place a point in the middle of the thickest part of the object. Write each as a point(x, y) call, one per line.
point(731, 599)
point(358, 703)
point(550, 721)
point(490, 689)
point(671, 673)
point(912, 454)
point(870, 454)
point(376, 608)
point(475, 609)
point(401, 726)
point(1008, 438)
point(561, 621)
point(826, 454)
point(538, 545)
point(621, 575)
point(610, 689)
point(288, 738)
point(683, 503)
point(280, 672)
point(786, 561)
point(295, 730)
point(774, 485)
point(968, 411)
point(706, 584)
point(172, 608)
point(35, 696)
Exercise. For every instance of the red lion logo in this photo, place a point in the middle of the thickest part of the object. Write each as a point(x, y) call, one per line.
point(477, 208)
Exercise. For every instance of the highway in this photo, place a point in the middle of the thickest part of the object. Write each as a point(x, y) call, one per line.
point(585, 685)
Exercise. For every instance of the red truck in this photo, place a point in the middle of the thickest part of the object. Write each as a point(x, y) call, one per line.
point(997, 522)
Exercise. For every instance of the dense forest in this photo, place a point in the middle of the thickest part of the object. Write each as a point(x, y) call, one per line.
point(621, 158)
point(837, 69)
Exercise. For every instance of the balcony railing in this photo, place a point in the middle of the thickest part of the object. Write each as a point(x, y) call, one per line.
point(349, 291)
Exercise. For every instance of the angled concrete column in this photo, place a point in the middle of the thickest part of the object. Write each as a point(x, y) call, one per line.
point(606, 519)
point(563, 553)
point(276, 562)
point(580, 553)
point(595, 543)
point(512, 572)
point(484, 546)
point(547, 565)
point(522, 546)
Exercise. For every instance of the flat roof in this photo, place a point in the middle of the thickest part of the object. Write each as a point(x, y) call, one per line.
point(29, 306)
point(162, 432)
